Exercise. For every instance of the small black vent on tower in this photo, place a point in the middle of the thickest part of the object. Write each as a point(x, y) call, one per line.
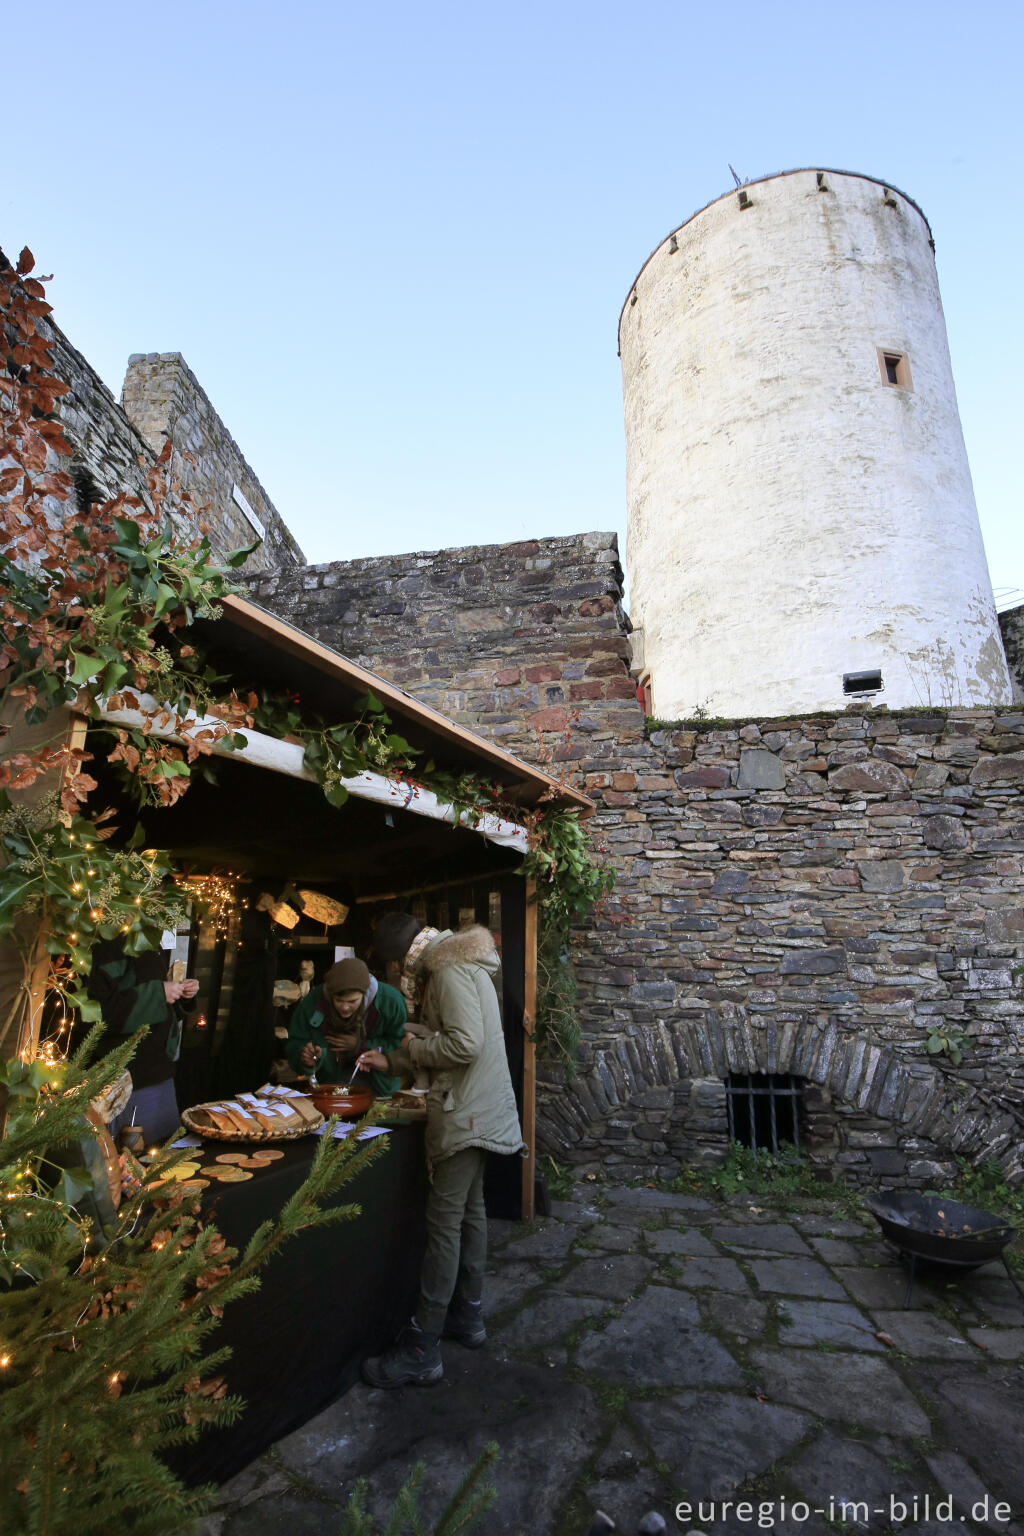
point(863, 682)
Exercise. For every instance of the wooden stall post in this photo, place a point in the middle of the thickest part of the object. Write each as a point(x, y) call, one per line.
point(530, 1051)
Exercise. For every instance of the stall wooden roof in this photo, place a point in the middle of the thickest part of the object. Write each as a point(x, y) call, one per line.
point(261, 824)
point(259, 645)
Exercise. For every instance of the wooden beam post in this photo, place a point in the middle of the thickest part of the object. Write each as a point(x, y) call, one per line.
point(530, 1051)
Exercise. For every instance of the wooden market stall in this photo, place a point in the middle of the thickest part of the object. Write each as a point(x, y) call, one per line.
point(265, 829)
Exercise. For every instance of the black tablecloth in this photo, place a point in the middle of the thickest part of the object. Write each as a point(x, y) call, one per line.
point(327, 1300)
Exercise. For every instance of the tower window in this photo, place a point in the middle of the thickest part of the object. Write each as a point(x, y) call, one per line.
point(894, 368)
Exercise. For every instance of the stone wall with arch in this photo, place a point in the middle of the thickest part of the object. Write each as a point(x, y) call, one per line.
point(872, 1113)
point(833, 886)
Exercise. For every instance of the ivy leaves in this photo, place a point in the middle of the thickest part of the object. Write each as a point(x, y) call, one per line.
point(344, 751)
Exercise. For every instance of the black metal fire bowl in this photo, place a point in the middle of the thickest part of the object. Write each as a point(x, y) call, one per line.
point(941, 1231)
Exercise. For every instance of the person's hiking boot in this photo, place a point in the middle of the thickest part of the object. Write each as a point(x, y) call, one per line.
point(465, 1323)
point(413, 1360)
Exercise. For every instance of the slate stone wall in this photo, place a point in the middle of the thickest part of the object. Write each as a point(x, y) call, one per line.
point(520, 642)
point(807, 896)
point(163, 398)
point(107, 447)
point(116, 444)
point(1011, 624)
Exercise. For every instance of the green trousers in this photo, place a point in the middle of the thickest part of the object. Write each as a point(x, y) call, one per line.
point(456, 1237)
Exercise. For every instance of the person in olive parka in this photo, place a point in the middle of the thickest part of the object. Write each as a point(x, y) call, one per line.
point(349, 1013)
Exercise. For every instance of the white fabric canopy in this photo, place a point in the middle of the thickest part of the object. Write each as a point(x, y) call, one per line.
point(287, 757)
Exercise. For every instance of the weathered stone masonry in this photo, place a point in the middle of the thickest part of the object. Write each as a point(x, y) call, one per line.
point(164, 399)
point(512, 641)
point(803, 896)
point(115, 445)
point(1011, 624)
point(809, 896)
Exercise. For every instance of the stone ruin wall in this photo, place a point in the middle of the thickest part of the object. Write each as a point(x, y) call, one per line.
point(115, 446)
point(804, 896)
point(1011, 625)
point(163, 398)
point(508, 640)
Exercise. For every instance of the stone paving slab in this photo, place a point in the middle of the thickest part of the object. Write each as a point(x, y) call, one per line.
point(549, 1244)
point(380, 1435)
point(958, 1480)
point(1001, 1343)
point(546, 1322)
point(881, 1287)
point(743, 1316)
point(657, 1342)
point(766, 1237)
point(992, 1293)
point(980, 1413)
point(647, 1220)
point(609, 1239)
point(826, 1225)
point(837, 1250)
point(622, 1372)
point(669, 1240)
point(850, 1482)
point(796, 1277)
point(615, 1277)
point(655, 1199)
point(720, 1274)
point(862, 1390)
point(626, 1479)
point(508, 1284)
point(712, 1442)
point(926, 1336)
point(833, 1323)
point(583, 1212)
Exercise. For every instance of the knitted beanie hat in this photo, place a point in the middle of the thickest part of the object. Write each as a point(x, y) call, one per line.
point(393, 935)
point(346, 976)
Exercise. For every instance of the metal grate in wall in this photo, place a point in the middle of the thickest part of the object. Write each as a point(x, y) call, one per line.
point(764, 1109)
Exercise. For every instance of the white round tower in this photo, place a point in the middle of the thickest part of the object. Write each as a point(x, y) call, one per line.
point(801, 514)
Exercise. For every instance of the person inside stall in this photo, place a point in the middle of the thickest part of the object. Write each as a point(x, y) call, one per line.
point(349, 1013)
point(134, 993)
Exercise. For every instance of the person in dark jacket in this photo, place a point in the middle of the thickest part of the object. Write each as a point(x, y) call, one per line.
point(349, 1013)
point(471, 1111)
point(134, 994)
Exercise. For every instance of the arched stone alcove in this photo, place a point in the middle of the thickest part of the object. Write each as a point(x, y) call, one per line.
point(653, 1099)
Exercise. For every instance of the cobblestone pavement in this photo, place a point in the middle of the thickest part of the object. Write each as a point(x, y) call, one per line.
point(648, 1349)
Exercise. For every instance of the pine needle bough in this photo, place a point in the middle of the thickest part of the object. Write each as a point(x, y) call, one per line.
point(107, 1348)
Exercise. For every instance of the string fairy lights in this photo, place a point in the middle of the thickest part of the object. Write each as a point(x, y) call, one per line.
point(215, 895)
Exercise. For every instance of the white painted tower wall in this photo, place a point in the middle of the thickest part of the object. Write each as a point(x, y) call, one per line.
point(791, 516)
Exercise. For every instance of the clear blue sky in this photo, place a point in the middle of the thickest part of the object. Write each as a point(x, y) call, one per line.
point(392, 241)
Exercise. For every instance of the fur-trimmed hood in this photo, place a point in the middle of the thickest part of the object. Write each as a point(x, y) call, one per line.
point(470, 1101)
point(470, 946)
